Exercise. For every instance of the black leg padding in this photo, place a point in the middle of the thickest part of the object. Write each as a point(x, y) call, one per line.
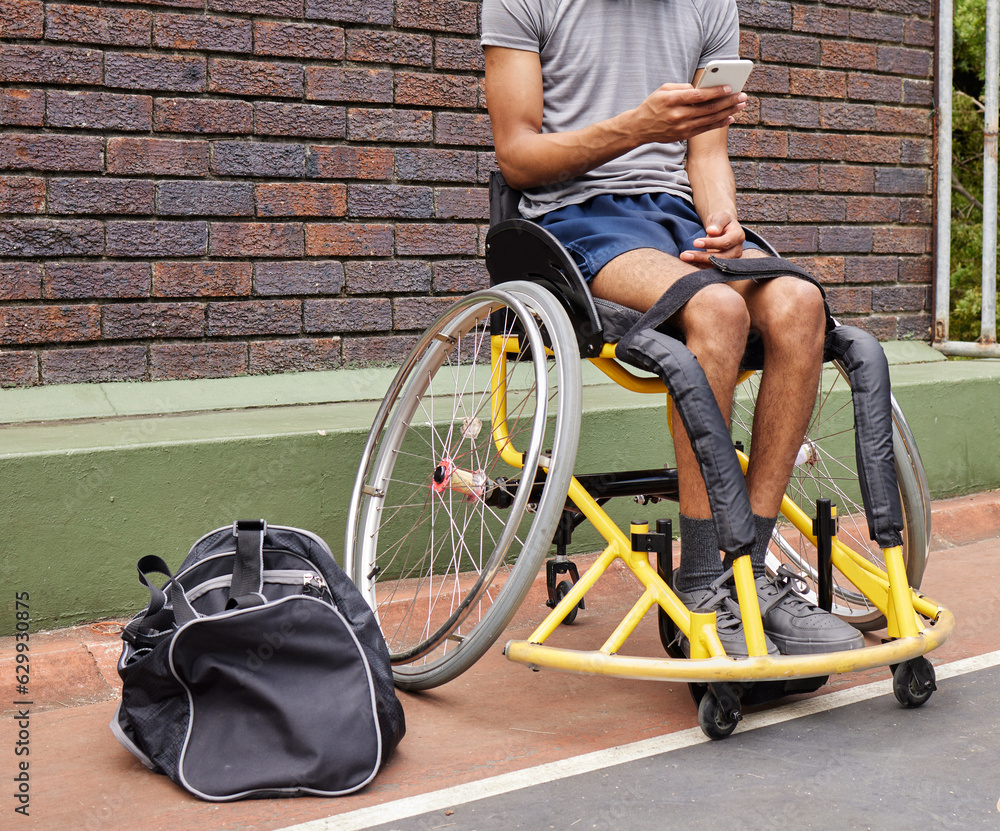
point(868, 370)
point(695, 404)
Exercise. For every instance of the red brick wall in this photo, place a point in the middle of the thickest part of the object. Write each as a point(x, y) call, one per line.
point(204, 188)
point(835, 157)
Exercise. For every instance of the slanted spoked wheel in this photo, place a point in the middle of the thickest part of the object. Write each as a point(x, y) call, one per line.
point(826, 467)
point(464, 477)
point(913, 682)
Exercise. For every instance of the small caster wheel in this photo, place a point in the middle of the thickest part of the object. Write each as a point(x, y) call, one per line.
point(713, 718)
point(562, 589)
point(913, 682)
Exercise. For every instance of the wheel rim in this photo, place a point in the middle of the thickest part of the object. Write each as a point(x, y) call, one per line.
point(438, 534)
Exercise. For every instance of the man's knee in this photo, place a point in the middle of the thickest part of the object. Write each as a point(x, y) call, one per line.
point(795, 315)
point(717, 319)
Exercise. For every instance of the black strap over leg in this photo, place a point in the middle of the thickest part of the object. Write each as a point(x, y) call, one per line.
point(724, 271)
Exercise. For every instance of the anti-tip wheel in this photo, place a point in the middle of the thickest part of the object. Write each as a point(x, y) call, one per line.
point(715, 720)
point(913, 682)
point(562, 589)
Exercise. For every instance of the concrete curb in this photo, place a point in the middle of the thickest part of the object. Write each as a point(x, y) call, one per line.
point(87, 494)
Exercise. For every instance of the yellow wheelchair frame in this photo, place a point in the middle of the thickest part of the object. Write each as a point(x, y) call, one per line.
point(443, 598)
point(906, 610)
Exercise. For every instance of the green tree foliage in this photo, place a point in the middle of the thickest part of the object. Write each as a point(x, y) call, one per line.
point(969, 63)
point(967, 171)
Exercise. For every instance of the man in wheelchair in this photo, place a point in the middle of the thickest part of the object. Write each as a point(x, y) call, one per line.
point(598, 121)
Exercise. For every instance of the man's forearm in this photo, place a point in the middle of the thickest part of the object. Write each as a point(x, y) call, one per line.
point(713, 186)
point(530, 157)
point(531, 160)
point(713, 189)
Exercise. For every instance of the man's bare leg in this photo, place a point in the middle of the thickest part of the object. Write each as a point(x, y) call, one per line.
point(787, 312)
point(715, 323)
point(789, 315)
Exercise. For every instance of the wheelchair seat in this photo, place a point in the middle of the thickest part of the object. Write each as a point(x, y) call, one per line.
point(520, 249)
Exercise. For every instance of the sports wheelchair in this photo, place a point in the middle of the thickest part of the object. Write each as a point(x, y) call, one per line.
point(467, 482)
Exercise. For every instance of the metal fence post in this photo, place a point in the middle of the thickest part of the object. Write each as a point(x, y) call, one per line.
point(987, 345)
point(946, 47)
point(992, 117)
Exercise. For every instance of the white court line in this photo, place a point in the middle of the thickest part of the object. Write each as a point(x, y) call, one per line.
point(589, 762)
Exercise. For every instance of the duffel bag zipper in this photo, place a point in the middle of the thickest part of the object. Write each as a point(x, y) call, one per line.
point(311, 582)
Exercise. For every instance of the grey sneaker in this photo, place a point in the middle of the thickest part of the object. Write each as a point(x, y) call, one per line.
point(719, 598)
point(797, 626)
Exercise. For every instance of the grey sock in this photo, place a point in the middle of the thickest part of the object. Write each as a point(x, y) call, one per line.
point(764, 527)
point(700, 559)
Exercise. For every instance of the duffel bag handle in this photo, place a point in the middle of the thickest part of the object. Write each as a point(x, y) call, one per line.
point(158, 618)
point(245, 590)
point(248, 567)
point(248, 573)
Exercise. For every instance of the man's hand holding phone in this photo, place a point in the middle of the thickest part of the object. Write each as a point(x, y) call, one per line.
point(725, 73)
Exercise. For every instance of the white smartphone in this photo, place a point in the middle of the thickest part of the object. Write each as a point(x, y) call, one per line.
point(732, 73)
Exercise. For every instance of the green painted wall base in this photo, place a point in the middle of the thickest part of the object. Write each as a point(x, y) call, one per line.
point(93, 477)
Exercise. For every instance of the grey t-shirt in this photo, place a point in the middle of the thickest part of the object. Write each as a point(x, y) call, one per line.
point(602, 57)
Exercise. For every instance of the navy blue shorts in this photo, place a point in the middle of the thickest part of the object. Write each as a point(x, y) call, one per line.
point(606, 226)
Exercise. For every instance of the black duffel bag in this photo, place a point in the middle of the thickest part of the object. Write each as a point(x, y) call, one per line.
point(257, 670)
